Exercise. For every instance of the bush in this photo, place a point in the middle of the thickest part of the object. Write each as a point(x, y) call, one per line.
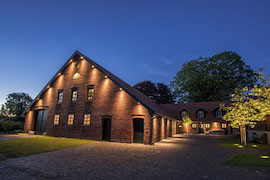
point(11, 126)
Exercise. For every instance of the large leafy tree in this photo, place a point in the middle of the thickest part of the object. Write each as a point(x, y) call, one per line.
point(16, 104)
point(249, 105)
point(160, 93)
point(212, 79)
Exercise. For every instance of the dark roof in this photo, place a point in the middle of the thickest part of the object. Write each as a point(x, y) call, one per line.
point(209, 107)
point(137, 95)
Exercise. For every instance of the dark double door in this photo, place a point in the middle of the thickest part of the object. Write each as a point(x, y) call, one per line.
point(106, 129)
point(138, 130)
point(41, 117)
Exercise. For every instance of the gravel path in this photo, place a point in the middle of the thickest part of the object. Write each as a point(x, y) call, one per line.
point(196, 157)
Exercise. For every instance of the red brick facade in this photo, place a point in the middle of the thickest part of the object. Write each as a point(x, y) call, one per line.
point(109, 100)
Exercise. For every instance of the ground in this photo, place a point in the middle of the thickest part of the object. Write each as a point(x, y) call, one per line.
point(193, 157)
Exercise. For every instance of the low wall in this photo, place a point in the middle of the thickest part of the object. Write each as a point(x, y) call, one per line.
point(252, 134)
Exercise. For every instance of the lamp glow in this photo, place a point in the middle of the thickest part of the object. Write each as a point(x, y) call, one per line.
point(106, 77)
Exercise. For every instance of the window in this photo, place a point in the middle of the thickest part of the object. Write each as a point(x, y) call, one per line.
point(224, 125)
point(90, 93)
point(218, 113)
point(70, 119)
point(56, 120)
point(200, 114)
point(201, 126)
point(184, 114)
point(60, 96)
point(194, 126)
point(87, 119)
point(74, 94)
point(207, 126)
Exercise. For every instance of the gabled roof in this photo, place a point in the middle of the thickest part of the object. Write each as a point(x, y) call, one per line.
point(175, 109)
point(137, 95)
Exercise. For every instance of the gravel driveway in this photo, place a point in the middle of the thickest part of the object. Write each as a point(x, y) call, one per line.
point(196, 157)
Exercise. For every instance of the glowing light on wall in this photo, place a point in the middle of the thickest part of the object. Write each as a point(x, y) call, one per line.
point(82, 57)
point(93, 66)
point(106, 77)
point(121, 89)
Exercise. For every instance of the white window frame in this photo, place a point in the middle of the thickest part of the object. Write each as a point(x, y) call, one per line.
point(60, 96)
point(207, 125)
point(87, 120)
point(200, 114)
point(219, 114)
point(194, 125)
point(223, 125)
point(56, 120)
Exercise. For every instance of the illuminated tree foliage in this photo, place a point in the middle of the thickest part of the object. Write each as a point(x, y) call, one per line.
point(249, 105)
point(186, 122)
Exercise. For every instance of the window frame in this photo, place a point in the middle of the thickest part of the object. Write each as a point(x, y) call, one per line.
point(206, 126)
point(194, 126)
point(219, 114)
point(70, 120)
point(75, 89)
point(60, 91)
point(58, 120)
point(90, 95)
point(86, 120)
point(199, 115)
point(222, 125)
point(186, 114)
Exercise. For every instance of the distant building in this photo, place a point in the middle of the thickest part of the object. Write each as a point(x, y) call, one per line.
point(206, 117)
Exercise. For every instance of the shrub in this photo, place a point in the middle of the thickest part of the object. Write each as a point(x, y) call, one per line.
point(11, 126)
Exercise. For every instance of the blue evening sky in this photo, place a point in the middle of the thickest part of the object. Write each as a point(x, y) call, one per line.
point(134, 39)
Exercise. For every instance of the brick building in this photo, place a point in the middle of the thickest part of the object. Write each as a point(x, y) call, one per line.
point(206, 117)
point(84, 100)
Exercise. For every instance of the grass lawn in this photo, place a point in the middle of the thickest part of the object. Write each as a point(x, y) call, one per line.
point(36, 145)
point(248, 160)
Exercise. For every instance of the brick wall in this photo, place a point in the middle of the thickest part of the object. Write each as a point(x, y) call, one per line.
point(108, 100)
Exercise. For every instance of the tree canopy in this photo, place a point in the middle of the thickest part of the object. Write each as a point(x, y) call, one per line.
point(16, 104)
point(158, 92)
point(212, 79)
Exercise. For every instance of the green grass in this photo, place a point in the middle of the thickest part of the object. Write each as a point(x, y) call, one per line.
point(248, 160)
point(36, 145)
point(253, 146)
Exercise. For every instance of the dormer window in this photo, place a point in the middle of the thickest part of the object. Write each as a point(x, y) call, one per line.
point(184, 114)
point(200, 114)
point(218, 113)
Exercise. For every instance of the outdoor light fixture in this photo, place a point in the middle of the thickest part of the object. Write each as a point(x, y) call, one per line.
point(254, 146)
point(139, 103)
point(82, 57)
point(106, 77)
point(59, 74)
point(93, 66)
point(265, 157)
point(240, 146)
point(48, 86)
point(70, 60)
point(121, 89)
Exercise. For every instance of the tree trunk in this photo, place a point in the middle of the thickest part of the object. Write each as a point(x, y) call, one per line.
point(243, 135)
point(187, 129)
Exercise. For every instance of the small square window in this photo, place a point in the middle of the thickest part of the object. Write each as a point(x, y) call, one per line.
point(184, 114)
point(56, 120)
point(218, 113)
point(194, 126)
point(87, 119)
point(207, 126)
point(224, 125)
point(70, 119)
point(74, 95)
point(60, 96)
point(90, 93)
point(200, 114)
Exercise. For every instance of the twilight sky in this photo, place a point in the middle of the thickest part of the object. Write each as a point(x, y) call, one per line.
point(136, 40)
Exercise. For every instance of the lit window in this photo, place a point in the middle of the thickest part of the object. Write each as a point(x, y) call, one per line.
point(194, 126)
point(200, 114)
point(60, 96)
point(184, 114)
point(74, 94)
point(56, 119)
point(207, 125)
point(201, 126)
point(70, 119)
point(90, 93)
point(224, 125)
point(218, 114)
point(87, 119)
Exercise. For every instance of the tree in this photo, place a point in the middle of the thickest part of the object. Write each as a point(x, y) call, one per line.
point(186, 122)
point(249, 105)
point(212, 79)
point(160, 93)
point(16, 104)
